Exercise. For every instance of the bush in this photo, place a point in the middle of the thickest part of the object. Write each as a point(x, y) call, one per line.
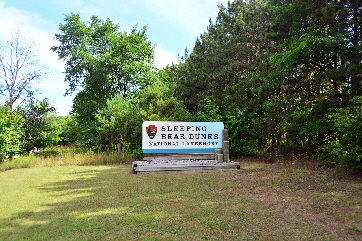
point(240, 125)
point(120, 122)
point(40, 128)
point(345, 147)
point(70, 130)
point(10, 132)
point(157, 103)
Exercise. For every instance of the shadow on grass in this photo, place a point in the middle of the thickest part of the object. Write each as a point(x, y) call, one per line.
point(94, 205)
point(260, 203)
point(113, 204)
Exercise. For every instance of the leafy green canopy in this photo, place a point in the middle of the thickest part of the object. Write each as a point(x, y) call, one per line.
point(40, 128)
point(10, 132)
point(221, 79)
point(102, 61)
point(30, 126)
point(228, 59)
point(318, 71)
point(321, 43)
point(121, 120)
point(283, 75)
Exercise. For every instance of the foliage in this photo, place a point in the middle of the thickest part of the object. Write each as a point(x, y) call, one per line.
point(208, 111)
point(157, 103)
point(69, 130)
point(103, 62)
point(19, 67)
point(10, 132)
point(40, 127)
point(30, 127)
point(223, 76)
point(345, 145)
point(284, 76)
point(100, 55)
point(281, 74)
point(120, 122)
point(318, 72)
point(222, 67)
point(241, 126)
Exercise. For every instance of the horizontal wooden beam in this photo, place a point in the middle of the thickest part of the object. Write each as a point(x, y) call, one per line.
point(188, 156)
point(140, 167)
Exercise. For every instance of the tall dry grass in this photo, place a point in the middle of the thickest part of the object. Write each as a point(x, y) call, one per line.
point(67, 155)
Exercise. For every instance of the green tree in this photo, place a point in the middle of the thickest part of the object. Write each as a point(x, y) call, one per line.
point(69, 130)
point(345, 145)
point(228, 60)
point(41, 127)
point(10, 132)
point(120, 122)
point(318, 70)
point(103, 62)
point(227, 69)
point(157, 103)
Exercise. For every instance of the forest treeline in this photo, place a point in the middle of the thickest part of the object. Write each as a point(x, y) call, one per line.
point(284, 76)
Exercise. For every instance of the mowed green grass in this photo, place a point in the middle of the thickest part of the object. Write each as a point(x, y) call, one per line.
point(108, 202)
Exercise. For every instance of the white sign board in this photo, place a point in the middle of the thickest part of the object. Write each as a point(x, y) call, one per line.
point(181, 137)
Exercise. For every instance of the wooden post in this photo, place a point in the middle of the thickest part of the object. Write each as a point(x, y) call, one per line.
point(225, 145)
point(119, 149)
point(219, 157)
point(225, 151)
point(225, 135)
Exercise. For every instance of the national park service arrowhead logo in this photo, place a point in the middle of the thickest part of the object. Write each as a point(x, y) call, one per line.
point(151, 131)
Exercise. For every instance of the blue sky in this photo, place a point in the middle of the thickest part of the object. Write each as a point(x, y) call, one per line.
point(172, 25)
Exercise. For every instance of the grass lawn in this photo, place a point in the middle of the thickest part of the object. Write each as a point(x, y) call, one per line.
point(106, 202)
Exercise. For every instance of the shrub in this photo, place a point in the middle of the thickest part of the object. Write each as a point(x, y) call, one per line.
point(346, 145)
point(10, 132)
point(120, 122)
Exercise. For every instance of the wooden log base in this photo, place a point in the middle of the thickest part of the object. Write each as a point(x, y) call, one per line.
point(188, 156)
point(182, 166)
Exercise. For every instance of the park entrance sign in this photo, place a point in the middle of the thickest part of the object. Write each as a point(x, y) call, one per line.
point(184, 147)
point(181, 137)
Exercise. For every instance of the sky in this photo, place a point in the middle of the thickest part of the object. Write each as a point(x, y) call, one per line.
point(172, 25)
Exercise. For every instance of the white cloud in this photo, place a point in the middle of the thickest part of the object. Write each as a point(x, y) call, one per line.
point(33, 26)
point(64, 107)
point(30, 24)
point(185, 14)
point(10, 17)
point(163, 57)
